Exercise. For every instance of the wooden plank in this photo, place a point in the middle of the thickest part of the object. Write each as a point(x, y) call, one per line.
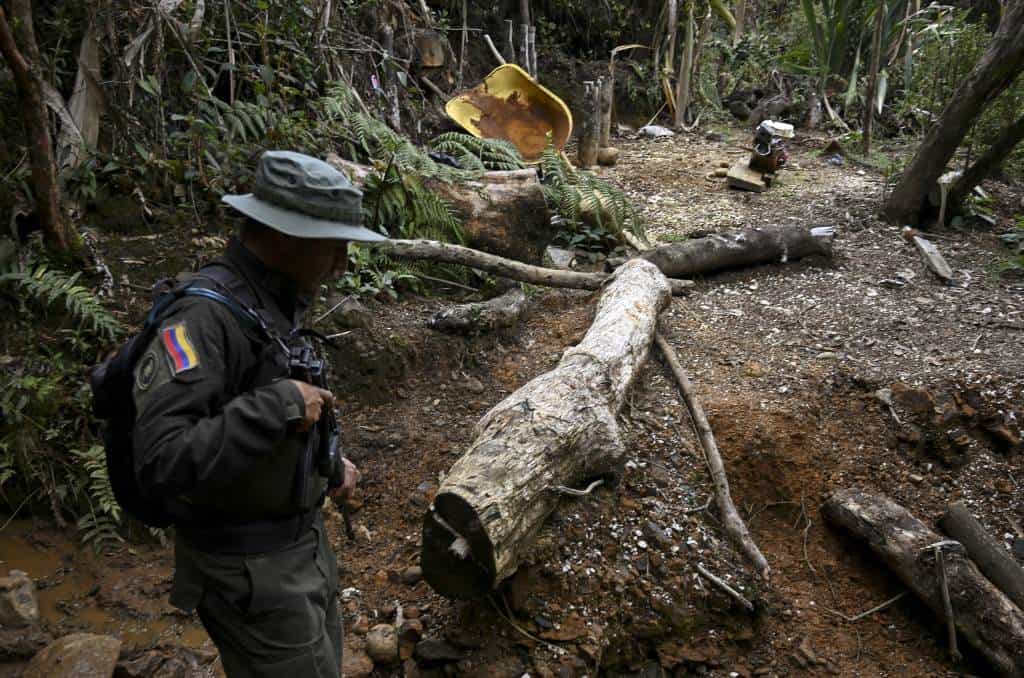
point(933, 258)
point(742, 177)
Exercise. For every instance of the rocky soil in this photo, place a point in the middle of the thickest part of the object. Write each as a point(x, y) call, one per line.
point(816, 375)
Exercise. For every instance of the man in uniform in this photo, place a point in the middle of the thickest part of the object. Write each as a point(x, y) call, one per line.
point(221, 429)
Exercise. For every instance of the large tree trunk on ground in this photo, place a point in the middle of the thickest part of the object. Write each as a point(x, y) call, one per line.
point(447, 253)
point(503, 213)
point(984, 616)
point(988, 554)
point(736, 249)
point(20, 50)
point(1001, 63)
point(987, 163)
point(557, 430)
point(482, 317)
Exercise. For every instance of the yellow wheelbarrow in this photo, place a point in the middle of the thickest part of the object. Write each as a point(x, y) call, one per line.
point(511, 105)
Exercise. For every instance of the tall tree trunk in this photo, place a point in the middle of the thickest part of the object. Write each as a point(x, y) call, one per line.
point(869, 98)
point(987, 163)
point(21, 52)
point(698, 50)
point(908, 55)
point(670, 40)
point(667, 69)
point(685, 69)
point(524, 28)
point(1001, 63)
point(741, 14)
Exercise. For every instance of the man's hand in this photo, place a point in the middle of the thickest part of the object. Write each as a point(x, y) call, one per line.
point(352, 476)
point(315, 399)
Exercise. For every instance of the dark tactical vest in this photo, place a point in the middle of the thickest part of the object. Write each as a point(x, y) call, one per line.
point(278, 497)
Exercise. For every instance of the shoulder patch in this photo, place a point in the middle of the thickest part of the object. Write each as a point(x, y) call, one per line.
point(145, 373)
point(180, 352)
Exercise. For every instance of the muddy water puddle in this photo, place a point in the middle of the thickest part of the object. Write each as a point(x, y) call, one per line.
point(123, 594)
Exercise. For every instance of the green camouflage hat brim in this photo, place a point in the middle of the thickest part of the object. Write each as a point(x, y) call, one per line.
point(304, 197)
point(296, 224)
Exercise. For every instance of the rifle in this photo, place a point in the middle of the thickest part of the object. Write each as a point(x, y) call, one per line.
point(322, 447)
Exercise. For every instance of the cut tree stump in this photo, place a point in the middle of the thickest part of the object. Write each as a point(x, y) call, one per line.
point(742, 177)
point(736, 249)
point(557, 430)
point(590, 125)
point(482, 317)
point(503, 213)
point(989, 621)
point(988, 554)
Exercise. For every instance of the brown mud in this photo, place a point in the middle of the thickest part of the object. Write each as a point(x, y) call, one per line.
point(787, 359)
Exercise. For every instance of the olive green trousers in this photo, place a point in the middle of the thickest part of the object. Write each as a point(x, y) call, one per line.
point(272, 614)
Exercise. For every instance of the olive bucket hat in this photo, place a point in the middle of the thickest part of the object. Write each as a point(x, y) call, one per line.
point(303, 197)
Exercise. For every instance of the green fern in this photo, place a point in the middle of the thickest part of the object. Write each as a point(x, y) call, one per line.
point(242, 120)
point(594, 212)
point(100, 526)
point(479, 154)
point(45, 287)
point(369, 139)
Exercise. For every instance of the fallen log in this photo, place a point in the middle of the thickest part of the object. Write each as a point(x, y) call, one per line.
point(557, 430)
point(736, 249)
point(482, 317)
point(992, 624)
point(503, 213)
point(447, 253)
point(731, 520)
point(987, 553)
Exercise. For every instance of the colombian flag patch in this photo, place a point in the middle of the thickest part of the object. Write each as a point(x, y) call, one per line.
point(179, 348)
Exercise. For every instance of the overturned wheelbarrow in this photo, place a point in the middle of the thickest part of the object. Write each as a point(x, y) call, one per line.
point(511, 105)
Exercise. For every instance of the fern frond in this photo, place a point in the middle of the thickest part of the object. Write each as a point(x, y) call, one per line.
point(473, 152)
point(45, 286)
point(575, 194)
point(100, 526)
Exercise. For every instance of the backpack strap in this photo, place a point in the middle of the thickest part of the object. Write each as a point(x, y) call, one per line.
point(248, 318)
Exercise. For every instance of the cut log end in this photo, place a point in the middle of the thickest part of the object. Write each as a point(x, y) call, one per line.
point(458, 558)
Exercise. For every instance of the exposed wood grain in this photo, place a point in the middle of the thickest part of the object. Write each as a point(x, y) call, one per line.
point(557, 430)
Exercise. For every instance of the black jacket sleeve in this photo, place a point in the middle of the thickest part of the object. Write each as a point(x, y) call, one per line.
point(190, 435)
